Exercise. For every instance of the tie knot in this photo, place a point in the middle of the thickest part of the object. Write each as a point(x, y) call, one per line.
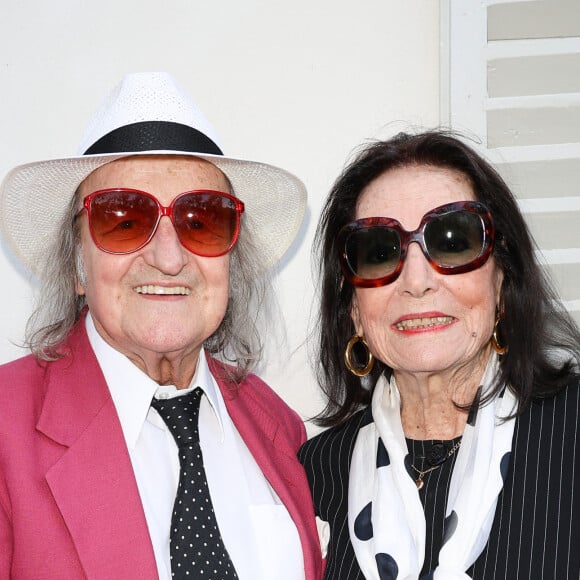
point(181, 416)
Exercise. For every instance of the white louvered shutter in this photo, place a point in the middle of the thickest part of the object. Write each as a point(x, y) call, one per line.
point(511, 76)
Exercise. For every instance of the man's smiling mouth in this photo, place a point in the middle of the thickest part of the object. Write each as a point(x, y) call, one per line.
point(163, 290)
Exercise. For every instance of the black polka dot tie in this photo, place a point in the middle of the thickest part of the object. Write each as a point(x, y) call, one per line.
point(196, 546)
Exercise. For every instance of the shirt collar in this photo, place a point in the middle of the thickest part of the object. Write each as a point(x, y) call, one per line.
point(132, 389)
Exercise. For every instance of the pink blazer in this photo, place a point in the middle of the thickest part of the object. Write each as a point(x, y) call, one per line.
point(69, 503)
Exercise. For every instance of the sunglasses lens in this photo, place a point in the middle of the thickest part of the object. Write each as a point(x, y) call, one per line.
point(207, 223)
point(373, 252)
point(122, 221)
point(454, 239)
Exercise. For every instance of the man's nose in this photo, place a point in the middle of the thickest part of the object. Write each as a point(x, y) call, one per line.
point(165, 252)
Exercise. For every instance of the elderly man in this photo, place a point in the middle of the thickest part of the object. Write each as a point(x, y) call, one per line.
point(150, 246)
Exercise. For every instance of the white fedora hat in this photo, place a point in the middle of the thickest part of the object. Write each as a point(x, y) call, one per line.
point(146, 113)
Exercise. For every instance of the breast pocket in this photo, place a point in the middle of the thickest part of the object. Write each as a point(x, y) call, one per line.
point(280, 548)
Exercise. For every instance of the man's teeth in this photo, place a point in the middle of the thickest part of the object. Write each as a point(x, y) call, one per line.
point(423, 322)
point(166, 290)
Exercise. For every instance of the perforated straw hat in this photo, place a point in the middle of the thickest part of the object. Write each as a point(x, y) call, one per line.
point(146, 113)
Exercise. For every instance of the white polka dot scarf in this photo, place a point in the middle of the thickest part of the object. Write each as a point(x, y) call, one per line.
point(385, 516)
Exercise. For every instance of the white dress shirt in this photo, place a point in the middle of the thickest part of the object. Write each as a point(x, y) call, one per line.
point(257, 530)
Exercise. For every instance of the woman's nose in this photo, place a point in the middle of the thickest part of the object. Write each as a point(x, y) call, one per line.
point(417, 276)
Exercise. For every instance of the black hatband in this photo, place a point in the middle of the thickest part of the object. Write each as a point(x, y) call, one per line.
point(154, 136)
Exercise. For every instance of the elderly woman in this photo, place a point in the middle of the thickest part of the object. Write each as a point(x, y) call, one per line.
point(448, 368)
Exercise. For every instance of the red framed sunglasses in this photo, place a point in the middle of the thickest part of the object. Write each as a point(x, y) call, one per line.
point(454, 238)
point(122, 221)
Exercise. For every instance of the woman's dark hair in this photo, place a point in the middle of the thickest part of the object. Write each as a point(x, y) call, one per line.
point(541, 337)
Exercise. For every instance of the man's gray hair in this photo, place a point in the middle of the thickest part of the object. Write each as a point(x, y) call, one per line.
point(236, 341)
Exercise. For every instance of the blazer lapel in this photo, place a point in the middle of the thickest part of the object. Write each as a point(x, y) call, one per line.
point(93, 482)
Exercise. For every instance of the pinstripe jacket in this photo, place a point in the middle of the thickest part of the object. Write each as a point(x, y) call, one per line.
point(536, 530)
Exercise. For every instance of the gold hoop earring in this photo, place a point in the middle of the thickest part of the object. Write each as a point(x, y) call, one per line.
point(495, 338)
point(350, 365)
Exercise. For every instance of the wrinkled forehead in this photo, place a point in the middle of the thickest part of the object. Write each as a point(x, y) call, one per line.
point(162, 175)
point(408, 193)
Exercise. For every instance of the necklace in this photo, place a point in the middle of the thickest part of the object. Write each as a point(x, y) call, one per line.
point(436, 459)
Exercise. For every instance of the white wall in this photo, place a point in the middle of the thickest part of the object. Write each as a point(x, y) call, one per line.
point(298, 84)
